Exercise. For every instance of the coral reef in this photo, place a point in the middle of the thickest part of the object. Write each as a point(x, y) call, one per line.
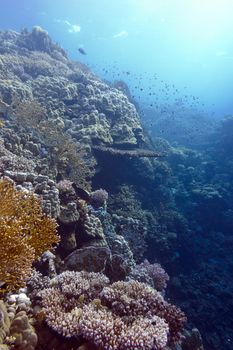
point(84, 304)
point(43, 71)
point(22, 332)
point(152, 274)
point(128, 153)
point(4, 322)
point(201, 186)
point(58, 121)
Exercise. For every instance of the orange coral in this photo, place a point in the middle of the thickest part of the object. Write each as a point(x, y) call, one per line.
point(25, 233)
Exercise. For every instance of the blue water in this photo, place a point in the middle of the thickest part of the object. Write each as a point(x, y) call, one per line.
point(174, 50)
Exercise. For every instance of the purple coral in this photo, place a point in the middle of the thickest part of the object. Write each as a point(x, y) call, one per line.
point(63, 301)
point(153, 274)
point(133, 299)
point(123, 315)
point(109, 331)
point(65, 186)
point(99, 198)
point(66, 191)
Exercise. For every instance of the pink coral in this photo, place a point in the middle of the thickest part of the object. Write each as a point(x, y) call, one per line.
point(64, 299)
point(99, 198)
point(133, 299)
point(109, 331)
point(123, 315)
point(153, 274)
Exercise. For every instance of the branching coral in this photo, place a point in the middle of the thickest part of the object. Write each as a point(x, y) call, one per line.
point(133, 299)
point(64, 300)
point(16, 256)
point(152, 274)
point(27, 112)
point(69, 158)
point(109, 331)
point(123, 315)
point(78, 283)
point(25, 233)
point(66, 157)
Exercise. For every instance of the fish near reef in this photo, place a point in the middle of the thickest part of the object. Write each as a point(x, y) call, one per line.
point(82, 51)
point(81, 193)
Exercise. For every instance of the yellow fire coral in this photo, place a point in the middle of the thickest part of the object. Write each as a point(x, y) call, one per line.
point(25, 233)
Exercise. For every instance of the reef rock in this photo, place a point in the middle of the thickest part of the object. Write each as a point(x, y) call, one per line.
point(33, 67)
point(92, 259)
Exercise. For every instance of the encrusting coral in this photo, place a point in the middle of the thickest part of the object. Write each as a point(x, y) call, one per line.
point(4, 322)
point(22, 332)
point(25, 233)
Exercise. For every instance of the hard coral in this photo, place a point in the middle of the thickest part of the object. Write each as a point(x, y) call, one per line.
point(123, 315)
point(64, 300)
point(133, 299)
point(152, 274)
point(23, 333)
point(136, 153)
point(25, 233)
point(4, 322)
point(109, 331)
point(16, 256)
point(99, 198)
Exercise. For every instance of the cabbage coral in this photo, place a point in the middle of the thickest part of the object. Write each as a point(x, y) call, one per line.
point(25, 233)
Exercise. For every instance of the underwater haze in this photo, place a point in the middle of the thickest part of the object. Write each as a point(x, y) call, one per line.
point(178, 47)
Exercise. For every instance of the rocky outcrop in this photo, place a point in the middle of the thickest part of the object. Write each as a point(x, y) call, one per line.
point(33, 67)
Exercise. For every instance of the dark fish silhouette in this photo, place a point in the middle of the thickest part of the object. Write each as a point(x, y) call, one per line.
point(81, 193)
point(82, 51)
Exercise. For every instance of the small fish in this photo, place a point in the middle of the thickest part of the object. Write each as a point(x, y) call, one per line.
point(82, 51)
point(81, 193)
